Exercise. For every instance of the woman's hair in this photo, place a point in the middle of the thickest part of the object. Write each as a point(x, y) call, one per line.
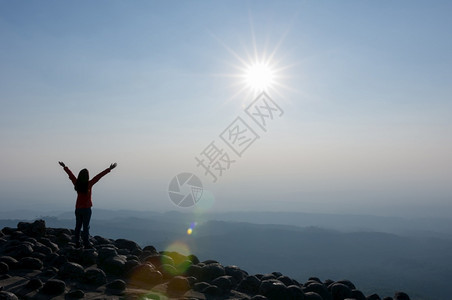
point(81, 185)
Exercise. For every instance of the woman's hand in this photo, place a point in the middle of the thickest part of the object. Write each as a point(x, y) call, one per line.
point(62, 164)
point(112, 166)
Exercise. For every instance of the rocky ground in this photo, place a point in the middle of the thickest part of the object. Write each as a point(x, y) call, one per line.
point(43, 263)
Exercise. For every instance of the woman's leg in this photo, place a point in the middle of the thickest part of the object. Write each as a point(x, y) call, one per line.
point(78, 226)
point(86, 220)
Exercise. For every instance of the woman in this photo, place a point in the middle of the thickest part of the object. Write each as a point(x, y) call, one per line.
point(83, 186)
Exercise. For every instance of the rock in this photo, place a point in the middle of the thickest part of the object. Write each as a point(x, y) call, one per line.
point(30, 263)
point(273, 289)
point(19, 251)
point(57, 260)
point(200, 286)
point(130, 264)
point(160, 259)
point(235, 272)
point(98, 240)
point(401, 296)
point(145, 276)
point(224, 283)
point(115, 265)
point(34, 284)
point(348, 283)
point(127, 244)
point(258, 297)
point(318, 288)
point(358, 295)
point(117, 285)
point(49, 272)
point(45, 241)
point(267, 277)
point(192, 280)
point(168, 271)
point(7, 296)
point(4, 268)
point(211, 271)
point(178, 284)
point(63, 238)
point(249, 285)
point(295, 292)
point(89, 257)
point(388, 298)
point(8, 230)
point(35, 229)
point(193, 258)
point(340, 291)
point(286, 280)
point(195, 271)
point(150, 249)
point(54, 287)
point(71, 270)
point(106, 252)
point(76, 294)
point(10, 261)
point(40, 256)
point(373, 297)
point(212, 290)
point(94, 276)
point(312, 296)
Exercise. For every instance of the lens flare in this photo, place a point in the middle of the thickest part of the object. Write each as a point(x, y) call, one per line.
point(206, 202)
point(179, 262)
point(189, 231)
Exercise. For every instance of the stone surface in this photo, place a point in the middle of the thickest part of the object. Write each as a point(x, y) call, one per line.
point(33, 256)
point(54, 287)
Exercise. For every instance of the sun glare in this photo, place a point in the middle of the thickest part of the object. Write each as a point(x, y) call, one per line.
point(259, 76)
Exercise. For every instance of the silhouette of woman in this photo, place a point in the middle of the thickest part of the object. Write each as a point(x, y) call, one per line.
point(83, 186)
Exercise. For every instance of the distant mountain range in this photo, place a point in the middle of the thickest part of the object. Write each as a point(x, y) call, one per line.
point(389, 253)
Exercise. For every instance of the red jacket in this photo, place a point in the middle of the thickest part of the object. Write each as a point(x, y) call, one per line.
point(84, 200)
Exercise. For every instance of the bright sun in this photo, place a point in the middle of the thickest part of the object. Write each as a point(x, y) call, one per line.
point(259, 76)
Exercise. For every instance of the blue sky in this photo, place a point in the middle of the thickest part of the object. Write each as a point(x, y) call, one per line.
point(365, 87)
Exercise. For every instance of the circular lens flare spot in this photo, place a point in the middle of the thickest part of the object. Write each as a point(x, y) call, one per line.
point(259, 76)
point(189, 231)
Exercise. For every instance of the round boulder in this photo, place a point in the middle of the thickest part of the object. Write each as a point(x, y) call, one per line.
point(401, 296)
point(178, 284)
point(224, 283)
point(145, 276)
point(211, 271)
point(295, 292)
point(312, 296)
point(117, 285)
point(115, 265)
point(54, 287)
point(72, 271)
point(340, 291)
point(249, 285)
point(7, 296)
point(94, 276)
point(4, 268)
point(273, 289)
point(29, 263)
point(76, 294)
point(34, 284)
point(127, 244)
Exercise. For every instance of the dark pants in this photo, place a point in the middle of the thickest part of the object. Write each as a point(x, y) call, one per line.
point(82, 218)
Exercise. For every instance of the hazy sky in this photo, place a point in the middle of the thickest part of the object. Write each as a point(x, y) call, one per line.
point(365, 87)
